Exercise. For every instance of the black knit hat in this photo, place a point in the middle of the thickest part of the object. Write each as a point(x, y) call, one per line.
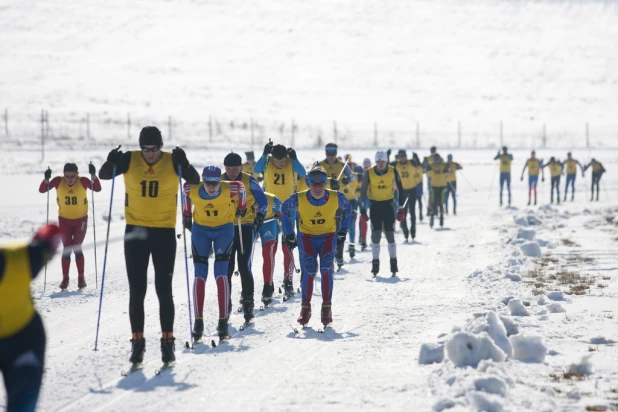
point(279, 151)
point(150, 136)
point(70, 167)
point(232, 159)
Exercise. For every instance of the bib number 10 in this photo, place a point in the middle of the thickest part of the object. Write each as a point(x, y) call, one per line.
point(317, 221)
point(150, 189)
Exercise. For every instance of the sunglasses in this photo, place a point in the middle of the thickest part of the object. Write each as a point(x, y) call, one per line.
point(151, 149)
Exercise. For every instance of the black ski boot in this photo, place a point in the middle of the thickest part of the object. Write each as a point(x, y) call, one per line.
point(441, 220)
point(351, 251)
point(394, 268)
point(288, 289)
point(247, 309)
point(454, 211)
point(222, 329)
point(305, 313)
point(267, 294)
point(138, 347)
point(167, 350)
point(431, 221)
point(198, 329)
point(375, 267)
point(363, 242)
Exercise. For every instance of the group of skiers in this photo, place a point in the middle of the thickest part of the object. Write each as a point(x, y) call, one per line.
point(557, 168)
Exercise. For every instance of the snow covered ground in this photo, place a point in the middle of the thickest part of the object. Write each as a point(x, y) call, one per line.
point(453, 279)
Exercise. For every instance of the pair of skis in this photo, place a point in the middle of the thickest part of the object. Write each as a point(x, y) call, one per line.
point(139, 366)
point(303, 326)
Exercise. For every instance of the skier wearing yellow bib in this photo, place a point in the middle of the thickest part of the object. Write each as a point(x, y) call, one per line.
point(555, 169)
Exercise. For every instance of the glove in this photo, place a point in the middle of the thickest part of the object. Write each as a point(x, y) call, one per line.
point(341, 235)
point(91, 169)
point(345, 180)
point(48, 174)
point(187, 222)
point(290, 241)
point(241, 212)
point(258, 221)
point(334, 184)
point(388, 152)
point(49, 235)
point(268, 148)
point(179, 157)
point(363, 213)
point(401, 214)
point(114, 156)
point(292, 153)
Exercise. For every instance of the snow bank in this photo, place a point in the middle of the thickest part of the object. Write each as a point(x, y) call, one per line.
point(520, 220)
point(491, 384)
point(528, 348)
point(517, 308)
point(531, 249)
point(584, 367)
point(557, 296)
point(533, 220)
point(555, 308)
point(527, 234)
point(485, 402)
point(431, 353)
point(466, 349)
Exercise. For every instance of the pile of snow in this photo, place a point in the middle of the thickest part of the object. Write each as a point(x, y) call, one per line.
point(517, 308)
point(528, 348)
point(556, 308)
point(531, 249)
point(527, 234)
point(431, 353)
point(485, 402)
point(533, 220)
point(584, 367)
point(491, 384)
point(466, 349)
point(520, 220)
point(556, 296)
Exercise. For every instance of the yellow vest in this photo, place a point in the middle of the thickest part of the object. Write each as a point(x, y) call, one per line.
point(213, 212)
point(248, 169)
point(279, 182)
point(271, 202)
point(534, 166)
point(16, 308)
point(451, 175)
point(505, 163)
point(72, 200)
point(596, 167)
point(318, 220)
point(438, 174)
point(151, 192)
point(251, 207)
point(406, 174)
point(555, 169)
point(571, 167)
point(381, 187)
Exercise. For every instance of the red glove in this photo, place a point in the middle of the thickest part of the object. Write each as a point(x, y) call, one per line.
point(401, 214)
point(50, 236)
point(238, 189)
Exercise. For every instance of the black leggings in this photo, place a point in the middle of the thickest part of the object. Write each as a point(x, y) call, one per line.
point(555, 184)
point(161, 244)
point(596, 177)
point(409, 194)
point(437, 200)
point(382, 213)
point(244, 260)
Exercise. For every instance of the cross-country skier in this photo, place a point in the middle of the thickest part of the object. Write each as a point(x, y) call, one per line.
point(250, 224)
point(353, 195)
point(438, 173)
point(555, 169)
point(534, 166)
point(318, 234)
point(269, 236)
point(597, 172)
point(427, 163)
point(362, 221)
point(248, 166)
point(22, 336)
point(505, 171)
point(570, 165)
point(418, 176)
point(211, 224)
point(451, 183)
point(280, 167)
point(72, 202)
point(409, 175)
point(379, 185)
point(151, 191)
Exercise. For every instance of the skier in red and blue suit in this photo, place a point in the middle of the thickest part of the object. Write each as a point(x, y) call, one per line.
point(319, 231)
point(269, 235)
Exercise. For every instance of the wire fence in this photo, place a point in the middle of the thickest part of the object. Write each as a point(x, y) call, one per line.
point(70, 128)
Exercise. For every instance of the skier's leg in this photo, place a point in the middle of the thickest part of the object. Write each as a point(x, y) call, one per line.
point(200, 249)
point(223, 246)
point(162, 242)
point(137, 256)
point(308, 256)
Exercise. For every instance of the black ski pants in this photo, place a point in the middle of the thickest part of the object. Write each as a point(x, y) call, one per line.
point(555, 184)
point(596, 178)
point(245, 259)
point(139, 244)
point(409, 194)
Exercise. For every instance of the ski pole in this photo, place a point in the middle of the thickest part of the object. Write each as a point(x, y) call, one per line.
point(242, 249)
point(94, 232)
point(46, 222)
point(184, 240)
point(467, 181)
point(109, 220)
point(293, 261)
point(343, 168)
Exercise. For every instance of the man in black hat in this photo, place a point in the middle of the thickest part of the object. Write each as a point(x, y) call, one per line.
point(151, 190)
point(257, 206)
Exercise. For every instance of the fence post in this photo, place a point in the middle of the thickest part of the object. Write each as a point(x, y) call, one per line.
point(501, 135)
point(335, 131)
point(418, 135)
point(587, 136)
point(129, 125)
point(169, 128)
point(459, 135)
point(544, 135)
point(375, 134)
point(210, 129)
point(6, 122)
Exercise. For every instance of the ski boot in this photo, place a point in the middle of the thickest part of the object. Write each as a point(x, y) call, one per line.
point(247, 309)
point(305, 314)
point(431, 221)
point(454, 211)
point(288, 289)
point(339, 263)
point(65, 282)
point(363, 242)
point(528, 202)
point(327, 314)
point(351, 251)
point(267, 294)
point(441, 220)
point(167, 350)
point(198, 329)
point(81, 282)
point(394, 268)
point(222, 329)
point(375, 267)
point(138, 347)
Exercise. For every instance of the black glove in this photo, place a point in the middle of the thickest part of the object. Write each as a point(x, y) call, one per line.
point(241, 212)
point(114, 156)
point(341, 235)
point(48, 174)
point(268, 148)
point(258, 221)
point(388, 152)
point(290, 241)
point(187, 222)
point(91, 169)
point(345, 180)
point(179, 157)
point(292, 153)
point(334, 184)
